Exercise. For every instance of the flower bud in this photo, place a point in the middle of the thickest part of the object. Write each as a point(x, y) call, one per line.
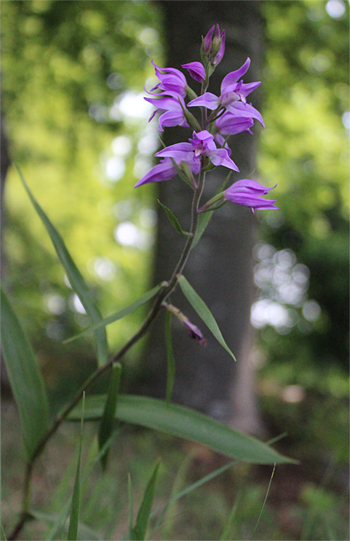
point(207, 41)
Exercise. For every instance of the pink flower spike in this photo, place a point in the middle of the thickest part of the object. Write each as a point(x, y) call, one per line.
point(196, 70)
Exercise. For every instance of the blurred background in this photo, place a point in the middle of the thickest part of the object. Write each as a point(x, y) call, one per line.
point(75, 121)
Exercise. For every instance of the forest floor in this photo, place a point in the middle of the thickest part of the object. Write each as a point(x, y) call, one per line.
point(308, 501)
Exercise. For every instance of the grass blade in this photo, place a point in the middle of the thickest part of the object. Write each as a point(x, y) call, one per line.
point(203, 312)
point(26, 381)
point(118, 315)
point(264, 502)
point(85, 532)
point(173, 220)
point(131, 507)
point(226, 534)
point(75, 507)
point(170, 358)
point(108, 417)
point(145, 508)
point(74, 276)
point(185, 423)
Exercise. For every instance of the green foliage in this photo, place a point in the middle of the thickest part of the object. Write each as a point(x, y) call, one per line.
point(75, 278)
point(184, 423)
point(138, 532)
point(107, 419)
point(305, 150)
point(25, 378)
point(59, 63)
point(203, 312)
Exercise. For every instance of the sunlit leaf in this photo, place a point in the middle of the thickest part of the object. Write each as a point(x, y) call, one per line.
point(203, 312)
point(25, 378)
point(184, 423)
point(74, 276)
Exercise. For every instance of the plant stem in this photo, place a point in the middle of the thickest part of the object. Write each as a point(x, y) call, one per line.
point(163, 293)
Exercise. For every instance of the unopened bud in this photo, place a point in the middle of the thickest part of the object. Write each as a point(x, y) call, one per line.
point(207, 41)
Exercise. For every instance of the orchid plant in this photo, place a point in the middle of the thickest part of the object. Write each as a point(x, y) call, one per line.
point(207, 148)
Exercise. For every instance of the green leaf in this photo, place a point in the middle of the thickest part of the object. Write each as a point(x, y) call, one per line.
point(74, 276)
point(118, 315)
point(184, 423)
point(107, 420)
point(175, 222)
point(205, 217)
point(140, 529)
point(170, 358)
point(25, 378)
point(203, 221)
point(75, 507)
point(203, 312)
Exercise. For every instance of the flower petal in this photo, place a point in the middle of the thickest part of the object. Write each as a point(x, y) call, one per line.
point(163, 171)
point(208, 100)
point(234, 75)
point(196, 70)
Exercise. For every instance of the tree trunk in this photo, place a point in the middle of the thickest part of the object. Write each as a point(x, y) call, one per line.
point(220, 267)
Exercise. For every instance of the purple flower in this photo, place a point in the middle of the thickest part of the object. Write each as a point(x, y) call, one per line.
point(229, 124)
point(166, 170)
point(233, 94)
point(193, 331)
point(196, 71)
point(171, 80)
point(172, 112)
point(248, 193)
point(201, 144)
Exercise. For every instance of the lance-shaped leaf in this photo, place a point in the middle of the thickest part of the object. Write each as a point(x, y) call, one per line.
point(25, 378)
point(203, 221)
point(108, 417)
point(170, 358)
point(75, 278)
point(184, 423)
point(140, 529)
point(203, 311)
point(118, 315)
point(175, 222)
point(75, 506)
point(205, 217)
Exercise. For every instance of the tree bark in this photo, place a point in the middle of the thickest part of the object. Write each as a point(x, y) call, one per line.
point(220, 267)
